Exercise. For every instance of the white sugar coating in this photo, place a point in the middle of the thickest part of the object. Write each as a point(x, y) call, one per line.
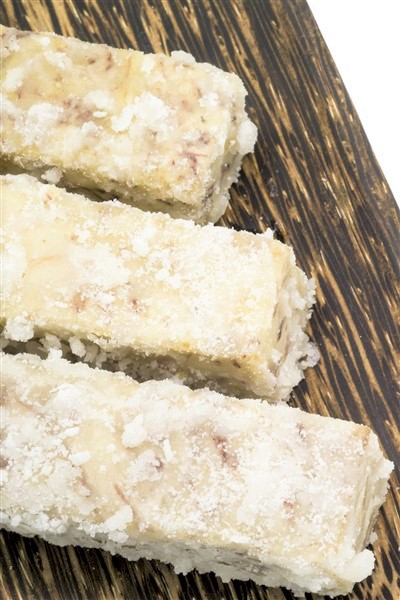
point(89, 130)
point(210, 100)
point(8, 107)
point(148, 64)
point(120, 519)
point(100, 265)
point(101, 99)
point(217, 306)
point(54, 353)
point(13, 264)
point(14, 79)
point(122, 121)
point(70, 432)
point(204, 481)
point(58, 59)
point(41, 118)
point(180, 127)
point(134, 433)
point(79, 458)
point(44, 41)
point(149, 110)
point(77, 347)
point(52, 175)
point(19, 329)
point(183, 57)
point(245, 137)
point(140, 245)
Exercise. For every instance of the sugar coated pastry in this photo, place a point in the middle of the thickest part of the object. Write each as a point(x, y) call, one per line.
point(243, 488)
point(157, 295)
point(162, 132)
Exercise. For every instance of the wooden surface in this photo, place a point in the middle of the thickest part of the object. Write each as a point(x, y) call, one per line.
point(315, 179)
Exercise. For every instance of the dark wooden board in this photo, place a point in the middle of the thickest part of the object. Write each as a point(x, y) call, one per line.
point(315, 179)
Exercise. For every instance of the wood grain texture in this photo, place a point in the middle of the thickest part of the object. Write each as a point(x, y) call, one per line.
point(314, 178)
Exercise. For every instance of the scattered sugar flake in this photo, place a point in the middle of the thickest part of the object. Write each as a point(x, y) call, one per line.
point(89, 128)
point(41, 523)
point(122, 161)
point(140, 246)
point(82, 235)
point(15, 520)
point(144, 468)
point(312, 356)
point(12, 42)
point(246, 137)
point(191, 135)
point(91, 353)
point(13, 264)
point(99, 265)
point(150, 110)
point(44, 41)
point(52, 175)
point(8, 108)
point(358, 567)
point(58, 59)
point(147, 63)
point(70, 432)
point(80, 458)
point(19, 329)
point(105, 298)
point(40, 118)
point(276, 356)
point(119, 520)
point(14, 78)
point(183, 57)
point(168, 452)
point(100, 359)
point(101, 100)
point(209, 100)
point(72, 141)
point(119, 537)
point(373, 537)
point(57, 525)
point(55, 353)
point(134, 433)
point(123, 120)
point(99, 114)
point(84, 491)
point(77, 347)
point(66, 398)
point(162, 274)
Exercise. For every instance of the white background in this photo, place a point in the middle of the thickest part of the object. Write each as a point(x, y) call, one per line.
point(363, 37)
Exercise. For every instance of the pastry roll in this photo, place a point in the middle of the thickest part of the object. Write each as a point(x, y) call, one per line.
point(193, 478)
point(159, 296)
point(164, 133)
